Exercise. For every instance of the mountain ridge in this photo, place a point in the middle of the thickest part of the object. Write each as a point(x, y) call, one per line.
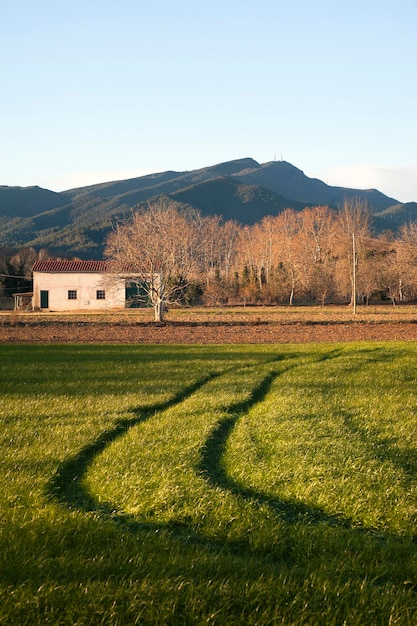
point(76, 221)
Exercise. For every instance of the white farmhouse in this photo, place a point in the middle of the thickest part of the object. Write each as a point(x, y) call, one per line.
point(77, 286)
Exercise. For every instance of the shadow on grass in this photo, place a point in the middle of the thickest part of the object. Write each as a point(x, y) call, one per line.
point(172, 574)
point(211, 467)
point(65, 486)
point(384, 449)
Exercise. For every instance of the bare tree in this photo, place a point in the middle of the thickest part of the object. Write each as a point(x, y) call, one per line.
point(251, 262)
point(318, 233)
point(353, 233)
point(401, 264)
point(259, 258)
point(372, 274)
point(217, 250)
point(157, 249)
point(291, 255)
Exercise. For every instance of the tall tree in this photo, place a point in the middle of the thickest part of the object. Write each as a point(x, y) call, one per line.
point(291, 254)
point(217, 250)
point(158, 249)
point(259, 258)
point(401, 264)
point(353, 234)
point(318, 234)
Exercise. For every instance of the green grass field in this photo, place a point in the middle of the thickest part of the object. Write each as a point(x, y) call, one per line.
point(208, 484)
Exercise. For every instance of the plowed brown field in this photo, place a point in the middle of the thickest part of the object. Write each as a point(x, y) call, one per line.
point(221, 326)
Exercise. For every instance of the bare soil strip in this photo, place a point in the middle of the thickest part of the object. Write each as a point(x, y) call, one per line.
point(203, 332)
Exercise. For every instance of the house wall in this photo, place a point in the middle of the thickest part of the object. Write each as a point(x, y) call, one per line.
point(85, 284)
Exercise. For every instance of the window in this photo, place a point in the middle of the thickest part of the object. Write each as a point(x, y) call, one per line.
point(72, 294)
point(101, 294)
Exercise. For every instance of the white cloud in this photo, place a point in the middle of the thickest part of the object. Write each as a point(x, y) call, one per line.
point(397, 182)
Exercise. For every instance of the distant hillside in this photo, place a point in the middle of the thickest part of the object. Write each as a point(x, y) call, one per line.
point(289, 181)
point(225, 196)
point(142, 188)
point(76, 222)
point(28, 201)
point(399, 214)
point(279, 176)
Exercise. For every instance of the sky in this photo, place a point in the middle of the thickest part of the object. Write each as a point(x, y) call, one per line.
point(97, 90)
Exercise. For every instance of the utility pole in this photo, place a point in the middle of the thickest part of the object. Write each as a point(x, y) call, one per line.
point(353, 273)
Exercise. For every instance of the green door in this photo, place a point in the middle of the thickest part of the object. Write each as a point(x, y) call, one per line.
point(44, 299)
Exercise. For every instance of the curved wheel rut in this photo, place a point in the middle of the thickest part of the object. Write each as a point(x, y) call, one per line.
point(212, 468)
point(66, 487)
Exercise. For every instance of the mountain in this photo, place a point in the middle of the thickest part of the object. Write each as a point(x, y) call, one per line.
point(76, 222)
point(164, 183)
point(398, 214)
point(281, 177)
point(289, 181)
point(234, 201)
point(28, 201)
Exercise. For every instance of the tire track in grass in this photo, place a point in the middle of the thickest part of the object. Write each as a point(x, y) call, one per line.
point(65, 486)
point(212, 470)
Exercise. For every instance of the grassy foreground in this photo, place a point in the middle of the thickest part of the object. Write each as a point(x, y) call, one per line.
point(208, 484)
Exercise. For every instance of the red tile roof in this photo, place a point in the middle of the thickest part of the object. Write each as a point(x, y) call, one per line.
point(71, 266)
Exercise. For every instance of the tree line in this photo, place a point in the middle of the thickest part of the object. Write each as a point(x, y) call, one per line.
point(316, 255)
point(16, 271)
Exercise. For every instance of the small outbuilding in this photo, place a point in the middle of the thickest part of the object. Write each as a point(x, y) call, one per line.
point(77, 286)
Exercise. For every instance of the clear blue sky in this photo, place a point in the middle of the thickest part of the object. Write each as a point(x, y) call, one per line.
point(96, 90)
